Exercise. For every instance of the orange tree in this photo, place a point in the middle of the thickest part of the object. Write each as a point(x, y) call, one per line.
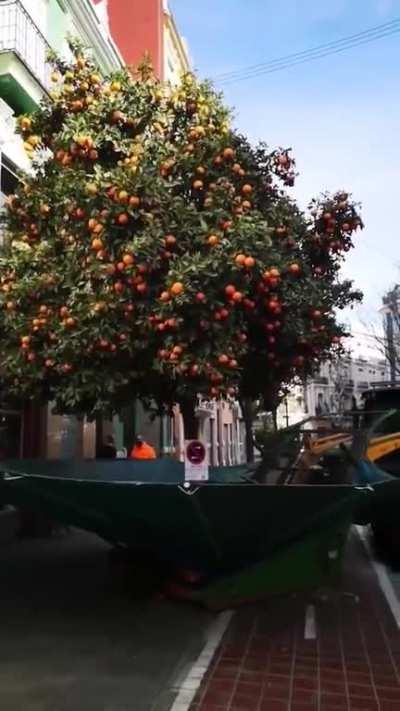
point(153, 253)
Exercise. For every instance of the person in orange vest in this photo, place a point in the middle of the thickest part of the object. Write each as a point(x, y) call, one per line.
point(142, 450)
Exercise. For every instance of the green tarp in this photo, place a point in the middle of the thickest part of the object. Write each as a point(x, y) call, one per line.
point(145, 505)
point(166, 471)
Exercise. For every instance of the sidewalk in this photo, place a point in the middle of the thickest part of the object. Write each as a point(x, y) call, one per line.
point(350, 660)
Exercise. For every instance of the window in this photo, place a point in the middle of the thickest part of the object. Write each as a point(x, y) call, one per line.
point(8, 176)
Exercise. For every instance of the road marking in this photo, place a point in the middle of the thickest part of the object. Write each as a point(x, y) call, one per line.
point(194, 677)
point(383, 578)
point(310, 627)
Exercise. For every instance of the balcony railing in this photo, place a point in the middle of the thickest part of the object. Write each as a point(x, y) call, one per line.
point(19, 34)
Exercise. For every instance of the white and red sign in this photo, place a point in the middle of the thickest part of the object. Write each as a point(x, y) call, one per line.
point(196, 466)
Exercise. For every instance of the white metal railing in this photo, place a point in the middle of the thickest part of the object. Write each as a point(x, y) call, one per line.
point(20, 34)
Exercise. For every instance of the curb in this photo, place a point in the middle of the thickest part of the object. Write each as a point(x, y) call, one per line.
point(193, 679)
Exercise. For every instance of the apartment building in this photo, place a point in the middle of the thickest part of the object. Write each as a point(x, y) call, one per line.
point(335, 388)
point(147, 28)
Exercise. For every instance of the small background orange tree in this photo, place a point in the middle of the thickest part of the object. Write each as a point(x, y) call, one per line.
point(155, 254)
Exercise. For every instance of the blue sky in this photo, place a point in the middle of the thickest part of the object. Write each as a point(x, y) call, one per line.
point(340, 114)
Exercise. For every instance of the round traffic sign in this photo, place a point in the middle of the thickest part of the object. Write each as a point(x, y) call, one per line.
point(196, 452)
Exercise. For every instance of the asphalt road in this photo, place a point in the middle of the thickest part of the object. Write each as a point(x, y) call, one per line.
point(73, 638)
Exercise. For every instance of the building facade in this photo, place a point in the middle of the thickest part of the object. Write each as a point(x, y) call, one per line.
point(336, 388)
point(391, 331)
point(28, 29)
point(147, 28)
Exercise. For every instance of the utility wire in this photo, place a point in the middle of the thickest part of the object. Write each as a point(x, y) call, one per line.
point(310, 58)
point(377, 28)
point(371, 35)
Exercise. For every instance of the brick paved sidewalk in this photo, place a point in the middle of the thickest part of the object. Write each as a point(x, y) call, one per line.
point(264, 663)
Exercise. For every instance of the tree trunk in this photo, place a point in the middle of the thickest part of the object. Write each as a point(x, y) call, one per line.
point(34, 431)
point(247, 410)
point(190, 421)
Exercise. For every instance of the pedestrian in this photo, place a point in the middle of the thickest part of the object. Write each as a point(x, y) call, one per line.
point(142, 450)
point(108, 450)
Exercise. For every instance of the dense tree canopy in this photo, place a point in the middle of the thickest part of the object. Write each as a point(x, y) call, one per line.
point(155, 253)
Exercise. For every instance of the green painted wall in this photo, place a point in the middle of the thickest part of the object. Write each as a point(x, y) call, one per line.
point(57, 25)
point(16, 85)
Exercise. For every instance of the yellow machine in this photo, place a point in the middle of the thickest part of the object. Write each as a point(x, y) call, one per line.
point(314, 447)
point(378, 446)
point(381, 446)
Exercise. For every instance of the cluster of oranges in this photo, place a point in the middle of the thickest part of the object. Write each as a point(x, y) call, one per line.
point(176, 289)
point(248, 262)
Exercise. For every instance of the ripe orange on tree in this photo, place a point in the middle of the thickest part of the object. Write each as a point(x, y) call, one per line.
point(123, 196)
point(176, 288)
point(97, 244)
point(249, 262)
point(213, 240)
point(170, 240)
point(240, 260)
point(223, 359)
point(230, 290)
point(128, 260)
point(123, 218)
point(228, 153)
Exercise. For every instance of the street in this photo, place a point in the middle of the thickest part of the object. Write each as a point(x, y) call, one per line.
point(76, 638)
point(73, 639)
